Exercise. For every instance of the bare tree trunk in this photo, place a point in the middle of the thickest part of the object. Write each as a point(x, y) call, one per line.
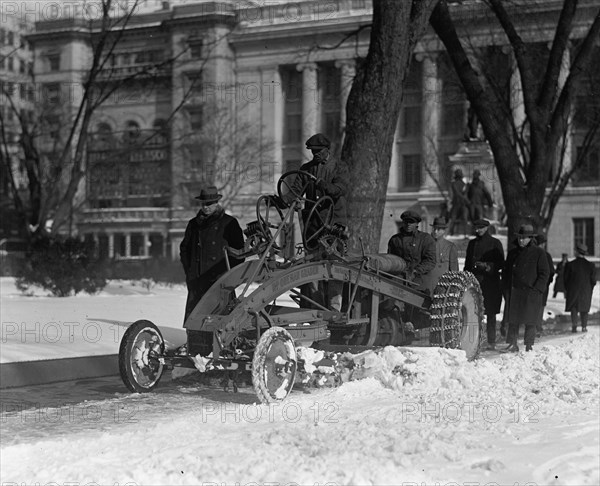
point(372, 112)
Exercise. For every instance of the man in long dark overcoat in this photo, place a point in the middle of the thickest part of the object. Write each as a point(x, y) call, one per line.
point(524, 279)
point(485, 259)
point(201, 250)
point(580, 278)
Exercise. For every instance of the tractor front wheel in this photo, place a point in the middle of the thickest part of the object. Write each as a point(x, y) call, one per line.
point(274, 365)
point(140, 353)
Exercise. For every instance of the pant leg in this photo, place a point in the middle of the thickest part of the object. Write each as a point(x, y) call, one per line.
point(584, 320)
point(512, 334)
point(529, 338)
point(491, 328)
point(574, 322)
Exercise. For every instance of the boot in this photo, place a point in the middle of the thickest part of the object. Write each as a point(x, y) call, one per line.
point(584, 329)
point(528, 347)
point(574, 329)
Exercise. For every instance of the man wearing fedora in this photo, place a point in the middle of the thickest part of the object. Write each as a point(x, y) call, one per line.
point(415, 247)
point(446, 255)
point(580, 278)
point(524, 279)
point(485, 259)
point(201, 250)
point(330, 180)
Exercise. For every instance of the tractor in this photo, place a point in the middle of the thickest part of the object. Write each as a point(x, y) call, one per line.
point(257, 317)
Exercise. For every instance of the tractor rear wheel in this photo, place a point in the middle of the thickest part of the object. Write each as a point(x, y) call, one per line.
point(140, 351)
point(457, 314)
point(274, 365)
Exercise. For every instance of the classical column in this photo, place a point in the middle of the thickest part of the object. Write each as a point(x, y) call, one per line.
point(146, 243)
point(310, 101)
point(432, 95)
point(127, 244)
point(111, 245)
point(272, 121)
point(348, 67)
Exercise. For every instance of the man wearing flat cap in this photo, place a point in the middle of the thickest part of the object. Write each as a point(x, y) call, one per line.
point(415, 247)
point(580, 278)
point(331, 180)
point(201, 250)
point(524, 280)
point(446, 255)
point(485, 259)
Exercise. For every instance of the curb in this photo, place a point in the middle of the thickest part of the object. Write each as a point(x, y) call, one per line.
point(46, 371)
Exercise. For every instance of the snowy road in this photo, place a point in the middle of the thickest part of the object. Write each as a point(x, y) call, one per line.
point(410, 416)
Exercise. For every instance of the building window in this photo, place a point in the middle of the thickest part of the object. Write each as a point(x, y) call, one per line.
point(52, 93)
point(292, 92)
point(411, 121)
point(411, 171)
point(589, 171)
point(54, 62)
point(132, 131)
point(359, 4)
point(329, 78)
point(10, 64)
point(453, 115)
point(195, 48)
point(10, 38)
point(196, 118)
point(583, 232)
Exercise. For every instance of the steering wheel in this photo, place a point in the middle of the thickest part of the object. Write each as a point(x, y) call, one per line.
point(289, 190)
point(269, 215)
point(318, 220)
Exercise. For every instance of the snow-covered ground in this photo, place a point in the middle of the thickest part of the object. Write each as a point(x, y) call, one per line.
point(404, 416)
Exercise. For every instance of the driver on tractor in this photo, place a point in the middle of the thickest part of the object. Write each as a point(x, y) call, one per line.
point(330, 180)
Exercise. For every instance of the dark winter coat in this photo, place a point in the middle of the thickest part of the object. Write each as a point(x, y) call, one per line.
point(201, 250)
point(417, 249)
point(485, 259)
point(446, 259)
point(332, 181)
point(524, 279)
point(580, 278)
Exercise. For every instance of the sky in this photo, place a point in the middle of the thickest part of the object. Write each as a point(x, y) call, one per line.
point(404, 416)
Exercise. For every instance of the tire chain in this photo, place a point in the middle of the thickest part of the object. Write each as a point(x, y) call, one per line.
point(446, 307)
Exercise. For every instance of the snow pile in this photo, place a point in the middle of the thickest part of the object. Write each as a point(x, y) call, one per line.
point(552, 375)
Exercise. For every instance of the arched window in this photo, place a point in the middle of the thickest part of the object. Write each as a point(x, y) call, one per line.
point(132, 131)
point(162, 131)
point(104, 135)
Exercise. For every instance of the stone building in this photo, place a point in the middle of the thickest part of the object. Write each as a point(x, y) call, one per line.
point(269, 65)
point(16, 88)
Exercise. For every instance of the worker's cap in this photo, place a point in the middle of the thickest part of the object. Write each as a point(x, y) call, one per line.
point(481, 223)
point(318, 141)
point(410, 217)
